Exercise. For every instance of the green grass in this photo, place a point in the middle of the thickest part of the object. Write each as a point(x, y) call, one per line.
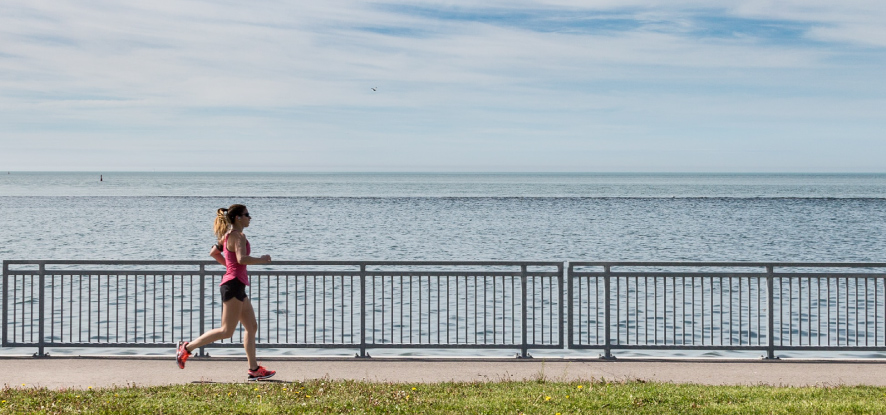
point(531, 397)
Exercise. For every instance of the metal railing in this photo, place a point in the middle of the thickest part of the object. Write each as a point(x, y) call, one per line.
point(466, 305)
point(309, 304)
point(727, 306)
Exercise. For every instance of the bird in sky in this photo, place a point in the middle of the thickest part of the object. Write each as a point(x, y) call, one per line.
point(374, 88)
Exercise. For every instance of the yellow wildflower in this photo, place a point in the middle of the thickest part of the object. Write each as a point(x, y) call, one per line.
point(579, 386)
point(547, 398)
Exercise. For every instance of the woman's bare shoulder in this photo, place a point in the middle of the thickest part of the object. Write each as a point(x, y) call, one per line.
point(236, 236)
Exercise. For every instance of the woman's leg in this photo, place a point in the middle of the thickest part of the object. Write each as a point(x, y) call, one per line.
point(231, 311)
point(250, 327)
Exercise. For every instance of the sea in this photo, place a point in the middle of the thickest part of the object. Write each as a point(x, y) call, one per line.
point(449, 216)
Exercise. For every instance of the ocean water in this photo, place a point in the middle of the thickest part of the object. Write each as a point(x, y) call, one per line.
point(389, 217)
point(593, 185)
point(551, 217)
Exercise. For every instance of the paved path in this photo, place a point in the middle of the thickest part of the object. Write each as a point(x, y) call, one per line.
point(80, 373)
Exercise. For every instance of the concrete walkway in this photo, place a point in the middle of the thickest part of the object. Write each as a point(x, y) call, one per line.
point(100, 372)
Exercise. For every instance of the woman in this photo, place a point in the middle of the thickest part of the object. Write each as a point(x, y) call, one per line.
point(229, 224)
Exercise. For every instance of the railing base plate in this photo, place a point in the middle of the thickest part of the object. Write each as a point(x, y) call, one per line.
point(526, 356)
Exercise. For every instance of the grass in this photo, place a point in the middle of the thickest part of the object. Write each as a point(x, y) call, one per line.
point(529, 397)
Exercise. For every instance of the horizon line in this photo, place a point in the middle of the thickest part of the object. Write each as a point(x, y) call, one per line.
point(447, 172)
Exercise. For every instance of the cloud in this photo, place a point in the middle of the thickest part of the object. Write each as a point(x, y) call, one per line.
point(295, 78)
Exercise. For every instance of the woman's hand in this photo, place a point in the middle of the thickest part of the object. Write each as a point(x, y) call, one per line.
point(266, 259)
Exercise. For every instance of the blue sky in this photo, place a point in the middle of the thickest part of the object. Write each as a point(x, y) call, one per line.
point(750, 86)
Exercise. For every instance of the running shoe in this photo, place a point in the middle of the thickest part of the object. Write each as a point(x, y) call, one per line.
point(183, 354)
point(260, 373)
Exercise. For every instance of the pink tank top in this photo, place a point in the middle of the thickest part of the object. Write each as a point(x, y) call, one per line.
point(234, 268)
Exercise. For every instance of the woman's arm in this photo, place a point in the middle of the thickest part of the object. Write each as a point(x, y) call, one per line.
point(217, 255)
point(240, 250)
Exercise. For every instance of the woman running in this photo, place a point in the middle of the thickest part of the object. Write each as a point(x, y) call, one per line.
point(233, 252)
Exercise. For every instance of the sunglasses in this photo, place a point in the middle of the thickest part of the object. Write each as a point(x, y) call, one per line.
point(247, 215)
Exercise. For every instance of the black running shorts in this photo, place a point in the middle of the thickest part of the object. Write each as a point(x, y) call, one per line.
point(233, 289)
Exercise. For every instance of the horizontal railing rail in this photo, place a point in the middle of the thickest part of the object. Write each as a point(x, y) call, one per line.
point(361, 305)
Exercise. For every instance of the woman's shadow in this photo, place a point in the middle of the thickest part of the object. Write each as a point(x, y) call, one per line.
point(208, 382)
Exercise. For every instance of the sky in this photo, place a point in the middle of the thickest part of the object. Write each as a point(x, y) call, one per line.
point(443, 86)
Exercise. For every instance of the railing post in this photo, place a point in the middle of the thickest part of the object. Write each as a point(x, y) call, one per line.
point(5, 301)
point(561, 279)
point(524, 346)
point(202, 307)
point(362, 353)
point(607, 312)
point(770, 286)
point(41, 346)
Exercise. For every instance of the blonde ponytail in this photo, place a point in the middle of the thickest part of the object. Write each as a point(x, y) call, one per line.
point(221, 223)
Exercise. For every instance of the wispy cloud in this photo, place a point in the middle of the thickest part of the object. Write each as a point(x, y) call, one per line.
point(550, 84)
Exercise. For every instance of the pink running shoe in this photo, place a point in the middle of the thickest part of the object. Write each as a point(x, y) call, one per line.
point(260, 373)
point(183, 354)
